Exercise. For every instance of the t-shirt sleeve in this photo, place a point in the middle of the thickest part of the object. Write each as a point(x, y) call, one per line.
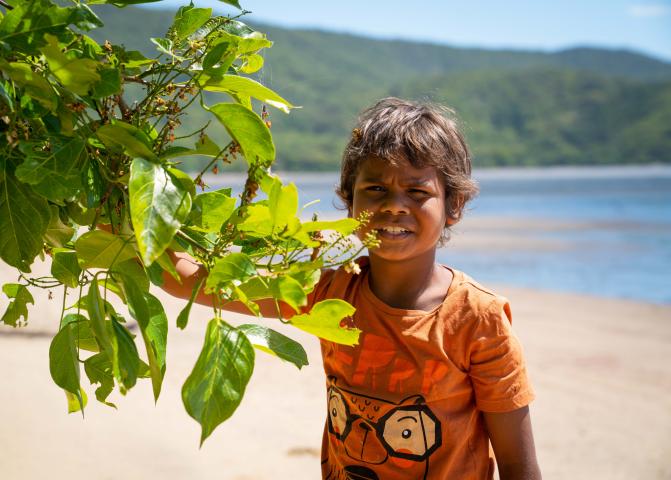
point(497, 368)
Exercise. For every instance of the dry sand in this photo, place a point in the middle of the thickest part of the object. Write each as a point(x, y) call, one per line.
point(601, 369)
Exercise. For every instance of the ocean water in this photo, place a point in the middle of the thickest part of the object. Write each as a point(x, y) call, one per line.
point(602, 231)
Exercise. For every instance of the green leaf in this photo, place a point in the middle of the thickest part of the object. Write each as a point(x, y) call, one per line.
point(166, 46)
point(84, 337)
point(235, 3)
point(275, 343)
point(324, 321)
point(151, 318)
point(58, 233)
point(183, 317)
point(289, 291)
point(17, 307)
point(232, 267)
point(121, 3)
point(100, 249)
point(248, 130)
point(283, 205)
point(56, 172)
point(159, 206)
point(98, 369)
point(64, 362)
point(35, 85)
point(188, 19)
point(257, 221)
point(76, 402)
point(131, 140)
point(109, 83)
point(217, 383)
point(97, 315)
point(252, 63)
point(243, 86)
point(24, 217)
point(125, 361)
point(65, 268)
point(76, 74)
point(344, 226)
point(24, 27)
point(212, 209)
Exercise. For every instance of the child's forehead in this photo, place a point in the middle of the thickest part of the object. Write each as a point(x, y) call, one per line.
point(378, 169)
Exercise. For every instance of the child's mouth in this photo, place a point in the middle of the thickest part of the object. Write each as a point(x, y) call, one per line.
point(392, 233)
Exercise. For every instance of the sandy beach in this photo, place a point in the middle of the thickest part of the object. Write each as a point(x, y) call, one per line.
point(601, 369)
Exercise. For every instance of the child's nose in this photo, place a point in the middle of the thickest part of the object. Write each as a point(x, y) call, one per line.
point(394, 203)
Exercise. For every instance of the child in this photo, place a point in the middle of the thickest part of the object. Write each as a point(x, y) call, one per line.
point(437, 374)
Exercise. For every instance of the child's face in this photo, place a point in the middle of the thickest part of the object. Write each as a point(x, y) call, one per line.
point(407, 207)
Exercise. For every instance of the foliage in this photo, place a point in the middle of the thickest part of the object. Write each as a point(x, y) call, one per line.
point(610, 105)
point(89, 140)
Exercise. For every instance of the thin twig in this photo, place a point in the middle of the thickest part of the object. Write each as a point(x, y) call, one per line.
point(6, 5)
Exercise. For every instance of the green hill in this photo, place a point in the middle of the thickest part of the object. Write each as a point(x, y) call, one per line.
point(577, 106)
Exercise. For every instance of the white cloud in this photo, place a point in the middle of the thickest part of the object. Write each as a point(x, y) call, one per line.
point(649, 10)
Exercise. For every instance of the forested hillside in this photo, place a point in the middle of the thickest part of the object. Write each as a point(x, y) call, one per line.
point(577, 106)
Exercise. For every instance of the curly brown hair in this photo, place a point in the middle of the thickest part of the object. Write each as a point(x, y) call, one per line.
point(423, 134)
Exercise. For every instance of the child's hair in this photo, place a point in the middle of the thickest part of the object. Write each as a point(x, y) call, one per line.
point(421, 133)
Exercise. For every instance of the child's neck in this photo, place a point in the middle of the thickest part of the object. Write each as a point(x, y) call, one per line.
point(415, 284)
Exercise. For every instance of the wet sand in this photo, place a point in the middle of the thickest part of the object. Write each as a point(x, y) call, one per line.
point(601, 369)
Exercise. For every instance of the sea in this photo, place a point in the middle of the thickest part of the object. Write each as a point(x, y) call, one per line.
point(602, 231)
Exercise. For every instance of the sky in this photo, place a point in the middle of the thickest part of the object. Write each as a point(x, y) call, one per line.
point(644, 26)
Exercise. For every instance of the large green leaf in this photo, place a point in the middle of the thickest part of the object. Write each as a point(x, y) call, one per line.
point(64, 362)
point(54, 173)
point(84, 336)
point(98, 315)
point(109, 83)
point(234, 266)
point(100, 249)
point(258, 220)
point(324, 321)
point(153, 322)
point(76, 74)
point(98, 369)
point(275, 343)
point(212, 209)
point(17, 306)
point(283, 205)
point(58, 233)
point(243, 86)
point(188, 19)
point(65, 268)
point(248, 130)
point(24, 218)
point(133, 141)
point(217, 383)
point(24, 27)
point(35, 85)
point(125, 361)
point(288, 290)
point(159, 206)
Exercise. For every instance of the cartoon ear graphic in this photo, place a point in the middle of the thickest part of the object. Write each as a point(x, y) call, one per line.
point(338, 419)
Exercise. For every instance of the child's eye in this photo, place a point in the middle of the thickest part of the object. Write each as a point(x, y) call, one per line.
point(418, 191)
point(375, 188)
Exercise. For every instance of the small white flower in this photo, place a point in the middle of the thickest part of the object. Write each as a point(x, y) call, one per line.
point(352, 267)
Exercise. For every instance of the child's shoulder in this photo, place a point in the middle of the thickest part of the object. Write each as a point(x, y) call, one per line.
point(473, 301)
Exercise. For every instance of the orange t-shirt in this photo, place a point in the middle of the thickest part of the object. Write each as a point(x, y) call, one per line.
point(405, 402)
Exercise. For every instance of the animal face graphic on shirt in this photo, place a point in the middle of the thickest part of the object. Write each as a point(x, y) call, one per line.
point(371, 432)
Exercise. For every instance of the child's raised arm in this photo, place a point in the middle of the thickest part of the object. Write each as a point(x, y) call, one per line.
point(191, 272)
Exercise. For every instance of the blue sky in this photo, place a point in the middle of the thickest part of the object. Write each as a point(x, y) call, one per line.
point(528, 24)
